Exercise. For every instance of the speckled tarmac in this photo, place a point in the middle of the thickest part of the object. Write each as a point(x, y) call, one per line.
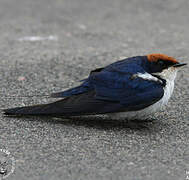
point(47, 46)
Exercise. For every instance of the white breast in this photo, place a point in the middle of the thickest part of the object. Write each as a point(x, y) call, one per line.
point(142, 114)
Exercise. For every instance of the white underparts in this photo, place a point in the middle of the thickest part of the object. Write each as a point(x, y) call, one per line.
point(169, 75)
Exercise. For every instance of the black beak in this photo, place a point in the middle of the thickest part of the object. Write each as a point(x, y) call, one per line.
point(179, 64)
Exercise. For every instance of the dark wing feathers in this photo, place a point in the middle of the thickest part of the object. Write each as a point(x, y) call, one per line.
point(133, 94)
point(84, 87)
point(106, 90)
point(83, 104)
point(73, 91)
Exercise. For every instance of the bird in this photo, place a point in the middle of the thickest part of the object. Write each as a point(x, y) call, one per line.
point(131, 88)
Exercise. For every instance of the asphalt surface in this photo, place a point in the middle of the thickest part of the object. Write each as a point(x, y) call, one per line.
point(47, 46)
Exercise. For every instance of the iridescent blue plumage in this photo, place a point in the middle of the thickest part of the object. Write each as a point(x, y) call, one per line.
point(115, 83)
point(114, 75)
point(114, 88)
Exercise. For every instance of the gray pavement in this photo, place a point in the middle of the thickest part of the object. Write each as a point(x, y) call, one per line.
point(70, 38)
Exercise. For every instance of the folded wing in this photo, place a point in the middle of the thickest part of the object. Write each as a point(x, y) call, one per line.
point(106, 90)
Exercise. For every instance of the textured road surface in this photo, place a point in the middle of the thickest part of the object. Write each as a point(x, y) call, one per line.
point(70, 38)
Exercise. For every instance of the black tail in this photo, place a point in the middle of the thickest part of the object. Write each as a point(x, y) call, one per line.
point(83, 104)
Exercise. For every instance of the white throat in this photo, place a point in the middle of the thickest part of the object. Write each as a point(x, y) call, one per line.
point(168, 74)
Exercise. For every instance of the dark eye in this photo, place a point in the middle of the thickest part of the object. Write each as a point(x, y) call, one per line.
point(161, 62)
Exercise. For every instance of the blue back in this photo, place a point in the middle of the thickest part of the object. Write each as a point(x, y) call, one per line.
point(114, 83)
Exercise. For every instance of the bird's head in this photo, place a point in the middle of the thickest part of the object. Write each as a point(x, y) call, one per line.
point(163, 66)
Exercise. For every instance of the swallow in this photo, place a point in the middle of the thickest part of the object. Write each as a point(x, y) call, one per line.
point(132, 88)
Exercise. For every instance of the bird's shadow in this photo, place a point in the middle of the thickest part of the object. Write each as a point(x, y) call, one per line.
point(94, 122)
